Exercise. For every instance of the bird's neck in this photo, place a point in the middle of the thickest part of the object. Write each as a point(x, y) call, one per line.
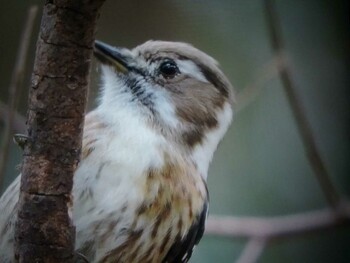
point(136, 137)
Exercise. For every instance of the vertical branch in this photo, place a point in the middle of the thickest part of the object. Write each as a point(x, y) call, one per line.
point(57, 99)
point(14, 89)
point(303, 125)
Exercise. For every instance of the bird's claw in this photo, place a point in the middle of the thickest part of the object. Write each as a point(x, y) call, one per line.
point(21, 140)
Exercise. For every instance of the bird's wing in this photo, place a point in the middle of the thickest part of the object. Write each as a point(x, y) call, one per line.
point(8, 218)
point(182, 249)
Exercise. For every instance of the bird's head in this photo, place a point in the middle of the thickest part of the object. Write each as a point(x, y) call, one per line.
point(173, 87)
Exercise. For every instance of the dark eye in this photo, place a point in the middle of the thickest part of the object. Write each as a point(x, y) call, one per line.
point(169, 69)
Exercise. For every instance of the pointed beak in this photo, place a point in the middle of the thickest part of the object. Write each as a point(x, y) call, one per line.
point(112, 56)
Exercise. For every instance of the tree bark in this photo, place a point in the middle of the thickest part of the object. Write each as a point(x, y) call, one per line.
point(57, 100)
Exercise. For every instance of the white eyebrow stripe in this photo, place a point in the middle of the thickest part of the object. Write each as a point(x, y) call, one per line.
point(189, 68)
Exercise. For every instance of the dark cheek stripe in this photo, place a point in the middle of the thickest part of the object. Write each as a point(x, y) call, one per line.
point(195, 136)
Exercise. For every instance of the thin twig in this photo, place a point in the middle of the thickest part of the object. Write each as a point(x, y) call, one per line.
point(267, 72)
point(252, 250)
point(15, 84)
point(298, 110)
point(19, 121)
point(280, 226)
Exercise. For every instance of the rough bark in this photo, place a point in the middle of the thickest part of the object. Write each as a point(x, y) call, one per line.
point(57, 100)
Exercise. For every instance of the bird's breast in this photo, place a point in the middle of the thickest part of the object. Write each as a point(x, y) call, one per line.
point(173, 197)
point(131, 204)
point(140, 221)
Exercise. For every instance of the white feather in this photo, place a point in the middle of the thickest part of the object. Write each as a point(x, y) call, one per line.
point(203, 153)
point(189, 68)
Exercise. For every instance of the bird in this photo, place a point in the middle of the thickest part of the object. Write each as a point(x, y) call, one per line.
point(140, 190)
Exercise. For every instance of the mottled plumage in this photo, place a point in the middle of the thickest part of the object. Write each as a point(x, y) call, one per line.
point(140, 190)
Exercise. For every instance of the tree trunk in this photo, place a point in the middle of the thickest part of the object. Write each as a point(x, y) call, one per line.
point(57, 100)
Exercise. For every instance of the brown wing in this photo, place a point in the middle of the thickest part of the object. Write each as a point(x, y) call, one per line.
point(182, 249)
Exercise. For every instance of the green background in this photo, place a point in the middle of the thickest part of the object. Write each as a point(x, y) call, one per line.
point(260, 169)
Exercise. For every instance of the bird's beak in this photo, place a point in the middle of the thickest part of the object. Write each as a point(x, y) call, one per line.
point(112, 56)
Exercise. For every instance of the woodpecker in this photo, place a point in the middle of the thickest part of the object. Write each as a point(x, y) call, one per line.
point(140, 192)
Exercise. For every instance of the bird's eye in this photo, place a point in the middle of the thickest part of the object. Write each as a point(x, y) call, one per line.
point(169, 69)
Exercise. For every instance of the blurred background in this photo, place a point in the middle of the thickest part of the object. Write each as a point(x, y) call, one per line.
point(260, 169)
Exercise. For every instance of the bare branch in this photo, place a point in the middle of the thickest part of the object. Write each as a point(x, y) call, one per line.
point(14, 89)
point(278, 227)
point(44, 231)
point(252, 250)
point(253, 89)
point(298, 110)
